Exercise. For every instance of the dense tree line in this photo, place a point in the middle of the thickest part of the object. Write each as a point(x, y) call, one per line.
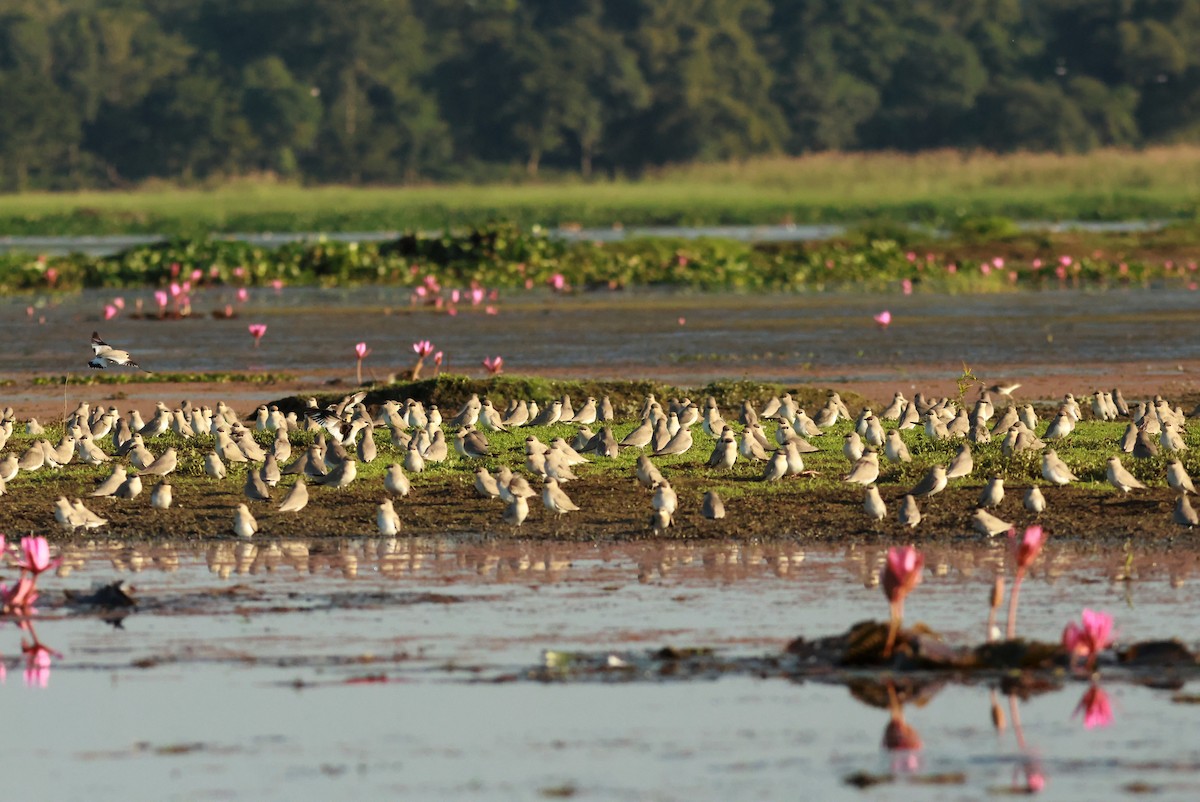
point(107, 92)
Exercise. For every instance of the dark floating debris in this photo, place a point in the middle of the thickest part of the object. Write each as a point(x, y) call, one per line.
point(859, 652)
point(113, 601)
point(113, 596)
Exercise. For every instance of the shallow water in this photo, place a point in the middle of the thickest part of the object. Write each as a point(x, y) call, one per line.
point(626, 334)
point(293, 670)
point(110, 244)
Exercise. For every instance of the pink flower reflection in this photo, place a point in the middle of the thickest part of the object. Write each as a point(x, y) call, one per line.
point(1096, 708)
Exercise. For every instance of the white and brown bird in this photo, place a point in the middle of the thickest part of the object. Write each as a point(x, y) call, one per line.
point(895, 449)
point(109, 486)
point(752, 448)
point(992, 493)
point(712, 507)
point(647, 472)
point(865, 470)
point(104, 355)
point(987, 524)
point(873, 504)
point(934, 482)
point(413, 461)
point(485, 484)
point(244, 524)
point(725, 452)
point(255, 488)
point(1055, 471)
point(1120, 478)
point(67, 517)
point(296, 498)
point(130, 488)
point(962, 464)
point(516, 512)
point(160, 496)
point(395, 482)
point(471, 443)
point(270, 470)
point(665, 497)
point(1034, 501)
point(910, 513)
point(1185, 515)
point(1178, 479)
point(777, 468)
point(679, 443)
point(90, 519)
point(554, 499)
point(341, 476)
point(386, 518)
point(213, 466)
point(165, 464)
point(852, 447)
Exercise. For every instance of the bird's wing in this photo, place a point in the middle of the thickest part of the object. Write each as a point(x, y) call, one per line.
point(98, 345)
point(351, 401)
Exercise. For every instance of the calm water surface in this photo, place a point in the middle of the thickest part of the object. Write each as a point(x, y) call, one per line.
point(366, 668)
point(623, 334)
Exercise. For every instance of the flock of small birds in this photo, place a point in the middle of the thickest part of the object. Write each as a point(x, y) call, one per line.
point(344, 434)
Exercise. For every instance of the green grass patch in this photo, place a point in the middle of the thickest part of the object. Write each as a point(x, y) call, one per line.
point(939, 187)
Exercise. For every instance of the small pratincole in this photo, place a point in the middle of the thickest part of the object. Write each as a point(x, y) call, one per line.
point(104, 355)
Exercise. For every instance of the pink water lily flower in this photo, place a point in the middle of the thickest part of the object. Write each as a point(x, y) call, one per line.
point(1025, 551)
point(884, 318)
point(422, 348)
point(360, 350)
point(906, 286)
point(160, 296)
point(110, 312)
point(35, 553)
point(901, 573)
point(1090, 638)
point(243, 294)
point(257, 330)
point(494, 365)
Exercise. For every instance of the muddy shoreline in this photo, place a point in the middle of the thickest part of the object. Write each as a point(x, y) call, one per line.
point(613, 507)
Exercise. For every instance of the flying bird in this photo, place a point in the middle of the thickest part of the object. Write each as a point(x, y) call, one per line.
point(104, 355)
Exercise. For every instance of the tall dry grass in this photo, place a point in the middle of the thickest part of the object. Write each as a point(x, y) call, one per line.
point(932, 186)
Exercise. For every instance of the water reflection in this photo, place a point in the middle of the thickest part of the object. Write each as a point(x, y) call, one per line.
point(550, 562)
point(898, 736)
point(1030, 777)
point(220, 629)
point(1095, 708)
point(37, 657)
point(905, 746)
